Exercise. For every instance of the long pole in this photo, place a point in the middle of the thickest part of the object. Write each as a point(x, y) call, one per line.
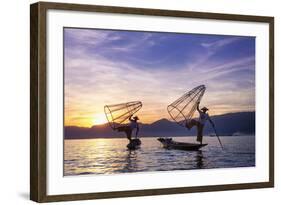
point(217, 136)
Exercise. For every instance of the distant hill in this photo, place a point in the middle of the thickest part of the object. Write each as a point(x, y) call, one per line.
point(226, 124)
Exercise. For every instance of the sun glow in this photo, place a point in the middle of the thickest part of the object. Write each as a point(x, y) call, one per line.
point(99, 119)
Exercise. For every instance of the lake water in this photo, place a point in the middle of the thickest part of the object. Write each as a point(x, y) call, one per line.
point(110, 156)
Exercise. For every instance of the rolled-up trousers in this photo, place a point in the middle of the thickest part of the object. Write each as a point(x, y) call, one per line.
point(199, 126)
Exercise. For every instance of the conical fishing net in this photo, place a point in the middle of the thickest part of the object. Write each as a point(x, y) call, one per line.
point(182, 110)
point(118, 114)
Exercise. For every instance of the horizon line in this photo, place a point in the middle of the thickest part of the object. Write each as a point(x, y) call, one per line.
point(170, 120)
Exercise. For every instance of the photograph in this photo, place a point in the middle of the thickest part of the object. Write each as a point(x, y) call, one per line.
point(146, 101)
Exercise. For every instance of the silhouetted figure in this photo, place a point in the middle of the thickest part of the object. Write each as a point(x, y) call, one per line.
point(203, 117)
point(128, 129)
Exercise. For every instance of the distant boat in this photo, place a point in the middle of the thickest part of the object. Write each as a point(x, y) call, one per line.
point(169, 143)
point(237, 134)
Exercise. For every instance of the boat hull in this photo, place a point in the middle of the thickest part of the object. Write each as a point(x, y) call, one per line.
point(169, 143)
point(134, 144)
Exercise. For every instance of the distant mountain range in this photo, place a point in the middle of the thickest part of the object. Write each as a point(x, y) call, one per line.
point(227, 124)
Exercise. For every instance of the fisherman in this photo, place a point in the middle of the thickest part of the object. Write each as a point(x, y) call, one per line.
point(128, 129)
point(134, 124)
point(203, 117)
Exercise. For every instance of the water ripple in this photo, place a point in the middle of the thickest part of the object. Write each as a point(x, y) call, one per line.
point(108, 156)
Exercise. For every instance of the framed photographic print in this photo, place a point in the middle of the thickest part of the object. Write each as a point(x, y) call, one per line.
point(134, 102)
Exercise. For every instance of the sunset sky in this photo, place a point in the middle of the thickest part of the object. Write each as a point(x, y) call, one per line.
point(108, 67)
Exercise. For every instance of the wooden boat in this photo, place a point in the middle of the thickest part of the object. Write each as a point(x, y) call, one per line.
point(134, 144)
point(169, 143)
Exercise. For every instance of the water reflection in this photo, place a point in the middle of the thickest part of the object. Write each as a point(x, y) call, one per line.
point(131, 161)
point(108, 156)
point(199, 159)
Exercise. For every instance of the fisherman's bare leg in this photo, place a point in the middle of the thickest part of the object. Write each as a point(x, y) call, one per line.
point(137, 132)
point(190, 124)
point(121, 129)
point(127, 130)
point(129, 134)
point(200, 132)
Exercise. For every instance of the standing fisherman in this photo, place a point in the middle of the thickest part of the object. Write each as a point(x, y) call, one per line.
point(128, 129)
point(200, 123)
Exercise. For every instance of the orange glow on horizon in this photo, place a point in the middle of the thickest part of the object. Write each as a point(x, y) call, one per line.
point(89, 117)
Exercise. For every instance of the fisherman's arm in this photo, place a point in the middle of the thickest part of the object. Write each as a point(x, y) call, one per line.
point(198, 107)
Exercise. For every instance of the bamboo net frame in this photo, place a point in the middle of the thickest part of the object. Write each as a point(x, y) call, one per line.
point(118, 114)
point(182, 109)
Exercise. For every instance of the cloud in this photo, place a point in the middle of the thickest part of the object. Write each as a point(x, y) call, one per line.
point(93, 79)
point(89, 37)
point(107, 40)
point(215, 45)
point(113, 82)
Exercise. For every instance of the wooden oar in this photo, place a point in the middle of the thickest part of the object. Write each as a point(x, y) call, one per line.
point(217, 135)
